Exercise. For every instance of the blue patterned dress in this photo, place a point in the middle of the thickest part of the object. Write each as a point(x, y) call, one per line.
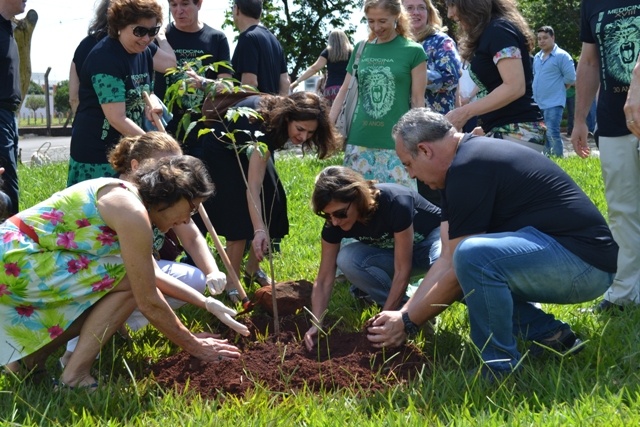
point(443, 72)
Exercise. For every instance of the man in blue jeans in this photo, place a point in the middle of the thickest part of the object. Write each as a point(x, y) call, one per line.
point(553, 72)
point(515, 228)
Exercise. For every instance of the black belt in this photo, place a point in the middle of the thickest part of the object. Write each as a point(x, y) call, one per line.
point(9, 107)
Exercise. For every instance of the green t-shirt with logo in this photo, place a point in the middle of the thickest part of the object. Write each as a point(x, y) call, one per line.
point(384, 90)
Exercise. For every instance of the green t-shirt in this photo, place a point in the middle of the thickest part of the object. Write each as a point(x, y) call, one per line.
point(384, 90)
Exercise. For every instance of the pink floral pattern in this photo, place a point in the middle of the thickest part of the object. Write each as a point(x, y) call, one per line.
point(77, 258)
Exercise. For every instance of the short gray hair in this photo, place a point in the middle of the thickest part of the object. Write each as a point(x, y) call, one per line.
point(420, 125)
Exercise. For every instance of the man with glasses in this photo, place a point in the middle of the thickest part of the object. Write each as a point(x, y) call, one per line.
point(515, 228)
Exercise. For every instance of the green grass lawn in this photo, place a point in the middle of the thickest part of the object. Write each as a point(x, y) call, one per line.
point(597, 387)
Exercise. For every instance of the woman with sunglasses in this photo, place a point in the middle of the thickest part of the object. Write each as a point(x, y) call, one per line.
point(397, 235)
point(112, 80)
point(162, 59)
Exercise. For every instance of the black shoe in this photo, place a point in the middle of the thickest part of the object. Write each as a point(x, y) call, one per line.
point(606, 306)
point(562, 342)
point(260, 277)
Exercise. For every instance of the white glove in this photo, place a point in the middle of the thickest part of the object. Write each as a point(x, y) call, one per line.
point(224, 313)
point(216, 282)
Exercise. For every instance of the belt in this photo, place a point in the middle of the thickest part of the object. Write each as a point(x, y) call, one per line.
point(9, 107)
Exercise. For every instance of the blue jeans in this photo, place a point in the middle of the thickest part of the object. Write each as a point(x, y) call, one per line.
point(552, 118)
point(501, 272)
point(591, 117)
point(370, 268)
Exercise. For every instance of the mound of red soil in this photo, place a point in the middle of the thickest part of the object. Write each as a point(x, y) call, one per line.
point(347, 360)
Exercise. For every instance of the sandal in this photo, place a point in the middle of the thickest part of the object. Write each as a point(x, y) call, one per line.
point(59, 385)
point(259, 277)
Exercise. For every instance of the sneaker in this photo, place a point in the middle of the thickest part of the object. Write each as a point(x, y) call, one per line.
point(562, 342)
point(606, 306)
point(259, 277)
point(491, 376)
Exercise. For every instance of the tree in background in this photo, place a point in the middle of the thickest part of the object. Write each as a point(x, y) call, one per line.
point(302, 27)
point(33, 102)
point(562, 15)
point(35, 89)
point(61, 100)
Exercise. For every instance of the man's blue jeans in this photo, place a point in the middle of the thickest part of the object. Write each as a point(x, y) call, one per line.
point(552, 118)
point(371, 269)
point(501, 272)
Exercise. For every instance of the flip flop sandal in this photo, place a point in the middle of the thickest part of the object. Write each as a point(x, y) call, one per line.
point(59, 385)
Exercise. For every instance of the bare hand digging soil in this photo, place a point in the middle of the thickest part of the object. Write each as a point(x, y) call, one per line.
point(346, 361)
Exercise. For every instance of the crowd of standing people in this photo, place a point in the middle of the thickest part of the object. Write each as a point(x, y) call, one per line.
point(87, 260)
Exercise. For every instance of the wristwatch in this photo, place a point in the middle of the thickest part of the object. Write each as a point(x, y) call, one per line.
point(410, 328)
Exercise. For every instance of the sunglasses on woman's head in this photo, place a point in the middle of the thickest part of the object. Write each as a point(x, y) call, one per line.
point(140, 31)
point(339, 214)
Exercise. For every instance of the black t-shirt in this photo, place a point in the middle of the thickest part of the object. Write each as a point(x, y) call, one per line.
point(10, 93)
point(495, 186)
point(109, 75)
point(83, 49)
point(259, 52)
point(500, 36)
point(336, 71)
point(613, 26)
point(398, 208)
point(188, 47)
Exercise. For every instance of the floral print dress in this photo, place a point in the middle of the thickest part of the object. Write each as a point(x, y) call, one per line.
point(58, 259)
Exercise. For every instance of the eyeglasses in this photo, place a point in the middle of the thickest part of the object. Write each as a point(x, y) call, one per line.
point(339, 214)
point(194, 208)
point(143, 31)
point(421, 8)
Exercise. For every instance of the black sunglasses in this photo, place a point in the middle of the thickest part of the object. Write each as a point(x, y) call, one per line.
point(339, 214)
point(143, 31)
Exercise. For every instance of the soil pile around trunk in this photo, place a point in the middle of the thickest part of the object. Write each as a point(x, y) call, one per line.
point(347, 361)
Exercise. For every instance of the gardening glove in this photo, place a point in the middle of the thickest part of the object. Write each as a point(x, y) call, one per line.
point(216, 282)
point(224, 313)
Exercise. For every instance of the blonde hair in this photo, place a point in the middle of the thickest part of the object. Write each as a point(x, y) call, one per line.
point(338, 46)
point(434, 23)
point(403, 28)
point(140, 148)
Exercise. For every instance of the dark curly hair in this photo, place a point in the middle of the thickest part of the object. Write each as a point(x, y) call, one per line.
point(164, 182)
point(278, 111)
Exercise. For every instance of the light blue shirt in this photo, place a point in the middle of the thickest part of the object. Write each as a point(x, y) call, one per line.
point(550, 75)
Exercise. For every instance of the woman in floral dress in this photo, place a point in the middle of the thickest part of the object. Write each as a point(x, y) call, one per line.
point(81, 261)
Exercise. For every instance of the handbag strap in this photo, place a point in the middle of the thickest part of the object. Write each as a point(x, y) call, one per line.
point(355, 64)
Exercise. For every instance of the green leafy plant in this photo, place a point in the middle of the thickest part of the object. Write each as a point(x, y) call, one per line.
point(183, 94)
